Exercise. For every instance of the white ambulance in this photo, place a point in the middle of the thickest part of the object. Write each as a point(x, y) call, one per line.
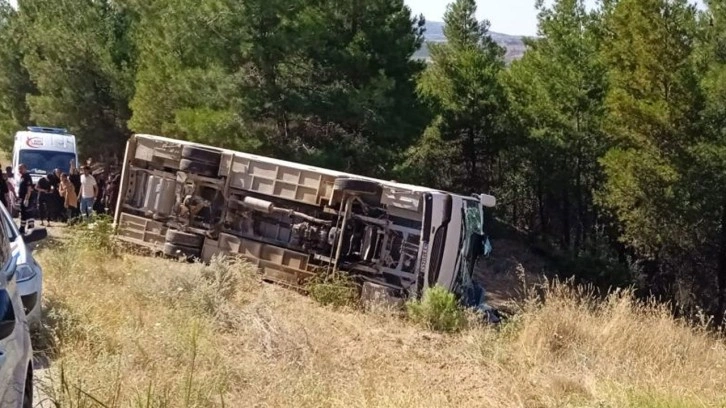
point(43, 149)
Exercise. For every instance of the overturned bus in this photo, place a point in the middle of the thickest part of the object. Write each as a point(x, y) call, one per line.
point(293, 221)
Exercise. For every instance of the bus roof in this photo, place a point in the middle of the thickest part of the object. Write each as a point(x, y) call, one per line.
point(44, 129)
point(50, 141)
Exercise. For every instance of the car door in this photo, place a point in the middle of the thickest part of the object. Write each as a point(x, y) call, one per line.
point(15, 347)
point(11, 230)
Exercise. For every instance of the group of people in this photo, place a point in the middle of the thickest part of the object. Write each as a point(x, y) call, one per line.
point(58, 196)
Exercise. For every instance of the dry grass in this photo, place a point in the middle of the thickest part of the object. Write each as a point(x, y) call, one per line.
point(146, 332)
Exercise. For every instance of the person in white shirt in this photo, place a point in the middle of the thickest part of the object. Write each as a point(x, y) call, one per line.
point(89, 190)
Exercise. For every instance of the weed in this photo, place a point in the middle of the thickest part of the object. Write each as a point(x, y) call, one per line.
point(336, 289)
point(95, 234)
point(437, 310)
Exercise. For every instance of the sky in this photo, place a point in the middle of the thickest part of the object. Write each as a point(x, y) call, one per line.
point(516, 17)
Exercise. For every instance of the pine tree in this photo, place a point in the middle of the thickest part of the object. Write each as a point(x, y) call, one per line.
point(653, 98)
point(463, 87)
point(557, 91)
point(187, 84)
point(15, 83)
point(705, 169)
point(80, 57)
point(329, 83)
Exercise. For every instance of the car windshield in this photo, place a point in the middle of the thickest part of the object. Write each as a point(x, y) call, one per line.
point(44, 162)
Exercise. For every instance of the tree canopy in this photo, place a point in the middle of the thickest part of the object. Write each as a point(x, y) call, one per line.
point(605, 143)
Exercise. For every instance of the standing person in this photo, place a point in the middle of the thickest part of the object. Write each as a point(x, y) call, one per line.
point(70, 199)
point(110, 195)
point(89, 191)
point(4, 192)
point(55, 202)
point(98, 203)
point(44, 200)
point(75, 177)
point(12, 193)
point(25, 190)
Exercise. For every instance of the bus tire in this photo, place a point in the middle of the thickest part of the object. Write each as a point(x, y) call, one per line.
point(200, 168)
point(180, 250)
point(198, 154)
point(186, 239)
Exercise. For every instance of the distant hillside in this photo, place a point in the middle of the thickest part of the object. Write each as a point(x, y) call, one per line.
point(435, 33)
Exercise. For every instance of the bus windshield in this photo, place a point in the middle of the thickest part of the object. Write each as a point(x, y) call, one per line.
point(44, 161)
point(473, 241)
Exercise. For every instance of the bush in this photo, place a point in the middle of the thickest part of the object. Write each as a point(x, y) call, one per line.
point(437, 310)
point(335, 289)
point(203, 290)
point(97, 234)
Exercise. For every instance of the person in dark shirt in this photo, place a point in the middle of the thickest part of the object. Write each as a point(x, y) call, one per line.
point(4, 191)
point(98, 205)
point(75, 177)
point(25, 190)
point(54, 178)
point(44, 200)
point(55, 201)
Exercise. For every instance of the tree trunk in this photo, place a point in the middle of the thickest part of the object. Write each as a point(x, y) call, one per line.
point(471, 147)
point(580, 221)
point(541, 207)
point(500, 171)
point(566, 236)
point(721, 280)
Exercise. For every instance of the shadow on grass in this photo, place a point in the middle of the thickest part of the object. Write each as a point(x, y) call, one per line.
point(58, 325)
point(52, 241)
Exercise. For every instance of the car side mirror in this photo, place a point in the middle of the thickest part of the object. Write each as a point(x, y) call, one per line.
point(487, 200)
point(36, 235)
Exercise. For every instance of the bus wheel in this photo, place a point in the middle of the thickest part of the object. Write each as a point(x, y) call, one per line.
point(180, 250)
point(184, 238)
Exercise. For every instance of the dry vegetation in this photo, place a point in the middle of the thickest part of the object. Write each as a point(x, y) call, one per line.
point(135, 331)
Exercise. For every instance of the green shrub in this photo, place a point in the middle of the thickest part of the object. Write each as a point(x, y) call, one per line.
point(203, 290)
point(96, 234)
point(437, 310)
point(335, 289)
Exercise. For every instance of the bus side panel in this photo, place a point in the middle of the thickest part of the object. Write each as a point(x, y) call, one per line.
point(286, 182)
point(276, 264)
point(141, 231)
point(159, 152)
